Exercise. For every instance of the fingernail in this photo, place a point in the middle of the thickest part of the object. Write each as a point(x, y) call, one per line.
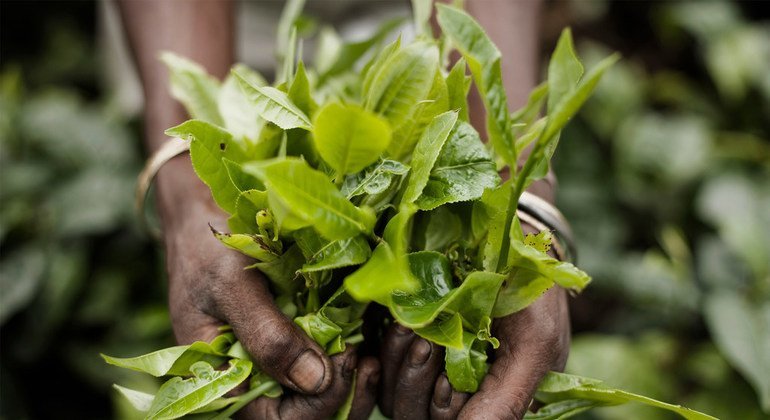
point(307, 372)
point(419, 352)
point(442, 395)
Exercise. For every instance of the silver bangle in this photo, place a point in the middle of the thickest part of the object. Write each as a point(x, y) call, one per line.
point(542, 215)
point(169, 150)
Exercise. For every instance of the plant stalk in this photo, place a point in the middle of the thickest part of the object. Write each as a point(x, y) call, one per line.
point(244, 399)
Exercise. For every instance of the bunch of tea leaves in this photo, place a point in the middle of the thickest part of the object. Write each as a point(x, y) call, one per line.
point(361, 181)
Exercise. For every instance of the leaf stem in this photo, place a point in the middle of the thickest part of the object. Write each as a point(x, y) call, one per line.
point(513, 203)
point(313, 302)
point(244, 399)
point(517, 187)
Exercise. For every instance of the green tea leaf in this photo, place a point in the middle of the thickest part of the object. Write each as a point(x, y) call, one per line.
point(538, 163)
point(483, 58)
point(526, 125)
point(282, 270)
point(328, 49)
point(419, 308)
point(533, 133)
point(522, 288)
point(287, 69)
point(254, 246)
point(398, 230)
point(248, 204)
point(312, 198)
point(406, 134)
point(492, 208)
point(285, 38)
point(325, 255)
point(170, 361)
point(384, 273)
point(485, 332)
point(560, 387)
point(443, 228)
point(141, 401)
point(377, 62)
point(541, 241)
point(239, 116)
point(562, 273)
point(402, 81)
point(421, 10)
point(554, 382)
point(216, 405)
point(209, 144)
point(194, 88)
point(444, 332)
point(299, 91)
point(319, 328)
point(178, 396)
point(561, 410)
point(373, 180)
point(425, 154)
point(242, 180)
point(531, 110)
point(564, 70)
point(462, 171)
point(434, 273)
point(458, 85)
point(349, 138)
point(465, 367)
point(271, 138)
point(347, 54)
point(473, 299)
point(286, 221)
point(273, 105)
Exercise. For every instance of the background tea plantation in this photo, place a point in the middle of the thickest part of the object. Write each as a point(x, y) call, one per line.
point(665, 178)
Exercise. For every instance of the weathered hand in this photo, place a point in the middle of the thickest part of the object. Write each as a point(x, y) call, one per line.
point(208, 287)
point(532, 342)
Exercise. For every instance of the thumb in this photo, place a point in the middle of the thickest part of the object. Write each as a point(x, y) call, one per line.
point(279, 347)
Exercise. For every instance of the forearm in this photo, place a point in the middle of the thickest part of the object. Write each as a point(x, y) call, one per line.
point(201, 30)
point(514, 27)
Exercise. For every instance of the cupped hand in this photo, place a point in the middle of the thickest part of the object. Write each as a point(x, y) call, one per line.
point(532, 342)
point(208, 287)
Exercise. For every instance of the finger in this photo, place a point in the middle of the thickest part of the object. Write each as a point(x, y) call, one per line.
point(365, 396)
point(321, 406)
point(188, 310)
point(190, 325)
point(417, 377)
point(278, 346)
point(394, 347)
point(539, 337)
point(447, 402)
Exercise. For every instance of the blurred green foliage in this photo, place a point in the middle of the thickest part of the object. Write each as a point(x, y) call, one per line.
point(76, 275)
point(666, 180)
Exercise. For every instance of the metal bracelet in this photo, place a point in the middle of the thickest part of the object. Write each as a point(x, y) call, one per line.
point(171, 149)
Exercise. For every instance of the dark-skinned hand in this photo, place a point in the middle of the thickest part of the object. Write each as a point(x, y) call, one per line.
point(208, 287)
point(532, 342)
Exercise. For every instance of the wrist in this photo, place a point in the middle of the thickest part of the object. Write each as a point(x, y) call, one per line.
point(183, 201)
